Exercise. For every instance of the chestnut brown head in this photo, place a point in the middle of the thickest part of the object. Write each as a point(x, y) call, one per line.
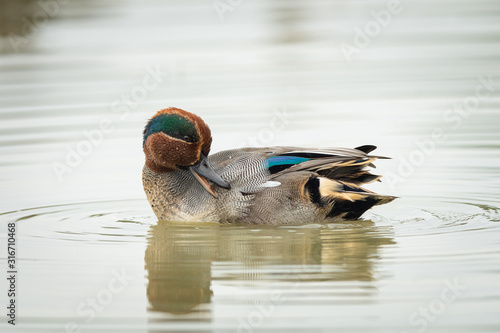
point(175, 139)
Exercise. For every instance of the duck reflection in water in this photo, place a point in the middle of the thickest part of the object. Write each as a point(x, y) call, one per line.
point(183, 260)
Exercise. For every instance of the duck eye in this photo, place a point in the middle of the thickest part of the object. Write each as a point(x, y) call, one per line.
point(187, 138)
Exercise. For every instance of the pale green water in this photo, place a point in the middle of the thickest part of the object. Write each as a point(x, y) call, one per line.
point(92, 256)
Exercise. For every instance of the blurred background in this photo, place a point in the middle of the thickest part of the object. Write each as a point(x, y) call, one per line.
point(344, 73)
point(419, 79)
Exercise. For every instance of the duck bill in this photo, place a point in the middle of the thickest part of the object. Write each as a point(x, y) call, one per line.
point(206, 176)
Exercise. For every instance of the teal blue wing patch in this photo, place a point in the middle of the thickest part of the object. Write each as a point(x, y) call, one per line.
point(276, 164)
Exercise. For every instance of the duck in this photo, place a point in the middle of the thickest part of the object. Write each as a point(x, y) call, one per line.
point(183, 182)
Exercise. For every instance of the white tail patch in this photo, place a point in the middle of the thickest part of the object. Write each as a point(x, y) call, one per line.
point(335, 190)
point(327, 186)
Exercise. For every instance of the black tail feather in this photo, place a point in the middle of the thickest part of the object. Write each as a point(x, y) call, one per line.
point(345, 200)
point(352, 210)
point(366, 148)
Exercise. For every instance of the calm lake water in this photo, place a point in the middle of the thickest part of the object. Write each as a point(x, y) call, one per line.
point(420, 80)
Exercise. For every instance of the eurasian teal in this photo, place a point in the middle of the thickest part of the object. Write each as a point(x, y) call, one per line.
point(274, 185)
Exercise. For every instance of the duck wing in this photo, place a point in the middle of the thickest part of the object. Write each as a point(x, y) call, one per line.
point(331, 178)
point(341, 164)
point(295, 185)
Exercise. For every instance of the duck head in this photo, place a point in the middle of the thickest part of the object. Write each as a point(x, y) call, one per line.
point(175, 139)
